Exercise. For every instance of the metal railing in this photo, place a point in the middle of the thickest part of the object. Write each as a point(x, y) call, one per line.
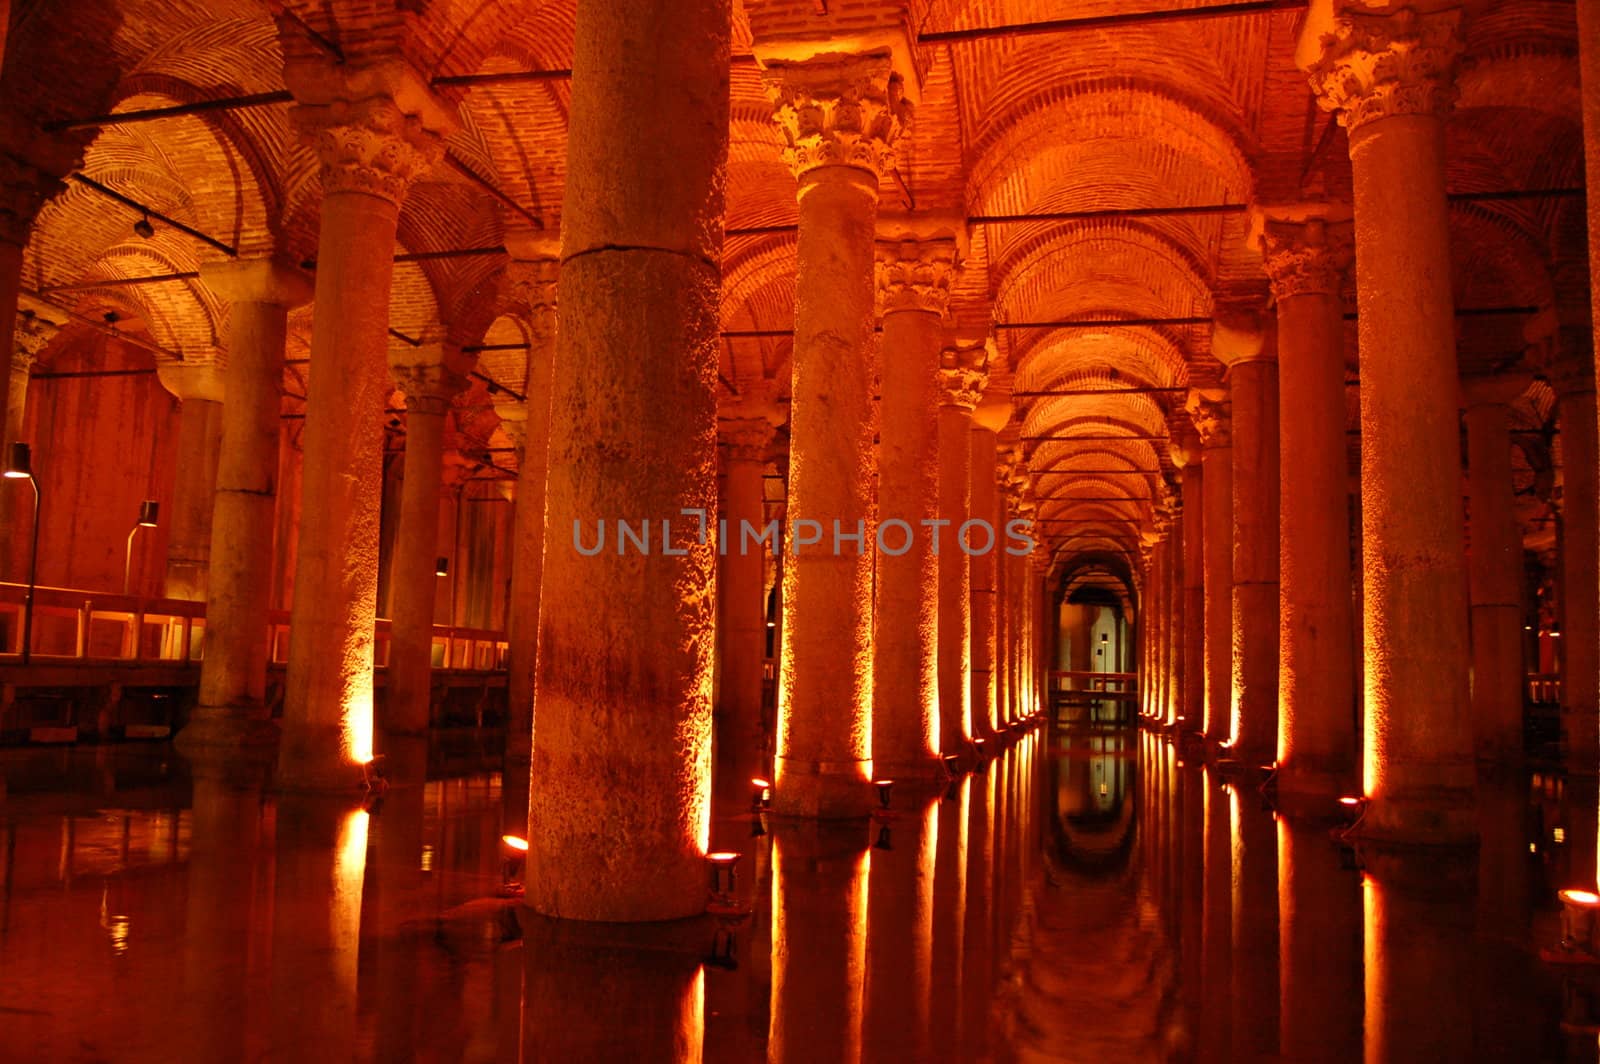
point(75, 625)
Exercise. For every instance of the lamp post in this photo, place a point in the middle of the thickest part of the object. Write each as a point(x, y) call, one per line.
point(149, 510)
point(19, 466)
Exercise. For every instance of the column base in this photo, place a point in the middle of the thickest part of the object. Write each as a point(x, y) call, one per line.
point(823, 790)
point(1442, 818)
point(928, 768)
point(1310, 790)
point(312, 759)
point(228, 729)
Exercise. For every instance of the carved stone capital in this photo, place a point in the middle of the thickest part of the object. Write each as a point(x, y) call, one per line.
point(745, 439)
point(963, 374)
point(24, 190)
point(1212, 419)
point(428, 386)
point(197, 380)
point(1377, 65)
point(1304, 257)
point(838, 111)
point(514, 423)
point(915, 275)
point(33, 334)
point(531, 292)
point(368, 145)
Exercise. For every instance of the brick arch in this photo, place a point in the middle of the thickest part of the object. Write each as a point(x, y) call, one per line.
point(1112, 357)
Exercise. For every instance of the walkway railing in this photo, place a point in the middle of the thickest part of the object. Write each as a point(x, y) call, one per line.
point(1094, 692)
point(79, 626)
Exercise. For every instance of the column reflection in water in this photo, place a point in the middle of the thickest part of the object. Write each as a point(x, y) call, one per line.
point(394, 894)
point(1191, 956)
point(1216, 934)
point(977, 937)
point(1255, 928)
point(900, 937)
point(819, 941)
point(1418, 951)
point(596, 991)
point(321, 854)
point(225, 861)
point(1319, 950)
point(949, 908)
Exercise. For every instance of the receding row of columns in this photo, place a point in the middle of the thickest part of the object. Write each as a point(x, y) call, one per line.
point(1440, 661)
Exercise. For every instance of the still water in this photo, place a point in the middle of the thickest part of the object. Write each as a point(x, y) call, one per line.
point(1089, 897)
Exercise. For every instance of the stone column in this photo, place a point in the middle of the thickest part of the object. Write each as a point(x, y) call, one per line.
point(231, 708)
point(914, 273)
point(1212, 421)
point(623, 731)
point(33, 335)
point(1240, 342)
point(428, 376)
point(1308, 251)
point(1389, 76)
point(1021, 585)
point(1574, 382)
point(840, 117)
point(987, 421)
point(1186, 454)
point(375, 131)
point(1175, 614)
point(745, 433)
point(531, 290)
point(24, 189)
point(1494, 567)
point(199, 389)
point(962, 376)
point(1002, 591)
point(1159, 586)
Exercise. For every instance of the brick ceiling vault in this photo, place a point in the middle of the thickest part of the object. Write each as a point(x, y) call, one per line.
point(1091, 126)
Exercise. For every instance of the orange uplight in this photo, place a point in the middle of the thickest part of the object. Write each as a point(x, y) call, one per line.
point(515, 842)
point(1351, 800)
point(1584, 899)
point(721, 857)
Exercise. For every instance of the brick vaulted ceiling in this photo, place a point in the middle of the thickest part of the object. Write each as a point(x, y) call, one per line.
point(1119, 114)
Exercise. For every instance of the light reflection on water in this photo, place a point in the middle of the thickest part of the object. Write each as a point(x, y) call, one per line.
point(1091, 896)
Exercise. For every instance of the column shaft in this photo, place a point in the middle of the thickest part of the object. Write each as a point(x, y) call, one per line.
point(1218, 526)
point(906, 702)
point(1175, 622)
point(233, 671)
point(1580, 586)
point(1390, 76)
point(413, 581)
point(623, 733)
point(955, 620)
point(1193, 708)
point(1254, 388)
point(189, 531)
point(985, 506)
point(1494, 561)
point(1317, 738)
point(741, 608)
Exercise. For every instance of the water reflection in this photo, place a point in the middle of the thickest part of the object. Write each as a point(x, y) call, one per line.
point(1093, 895)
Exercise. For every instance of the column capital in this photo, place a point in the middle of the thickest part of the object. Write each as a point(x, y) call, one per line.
point(1368, 65)
point(33, 334)
point(745, 439)
point(258, 281)
point(1212, 417)
point(1308, 249)
point(429, 384)
point(531, 291)
point(963, 374)
point(1571, 376)
point(192, 380)
point(838, 110)
point(376, 129)
point(514, 423)
point(1493, 389)
point(914, 272)
point(1239, 335)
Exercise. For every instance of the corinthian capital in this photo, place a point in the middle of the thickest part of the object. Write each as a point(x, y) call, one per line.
point(1212, 419)
point(745, 439)
point(915, 275)
point(33, 334)
point(963, 374)
point(838, 111)
point(1376, 65)
point(1308, 251)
